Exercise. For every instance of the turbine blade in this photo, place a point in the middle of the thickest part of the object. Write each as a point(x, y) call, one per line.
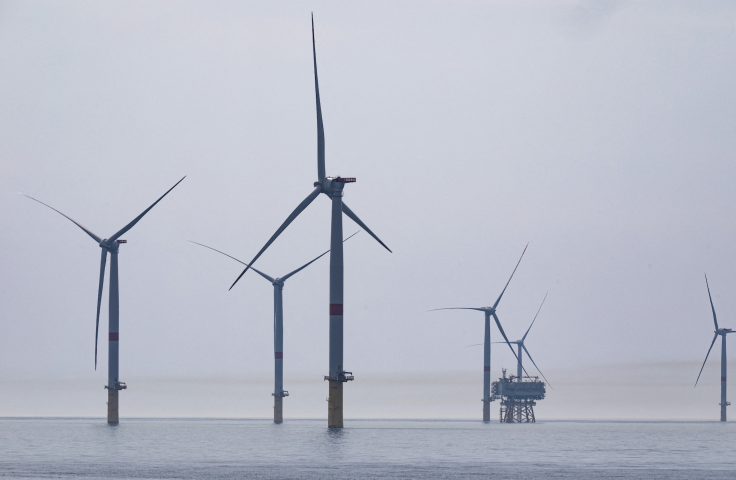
point(103, 262)
point(136, 219)
point(535, 365)
point(477, 344)
point(711, 302)
point(305, 203)
point(230, 256)
point(512, 276)
point(346, 210)
point(86, 230)
point(351, 236)
point(288, 275)
point(500, 328)
point(535, 318)
point(457, 308)
point(320, 127)
point(706, 358)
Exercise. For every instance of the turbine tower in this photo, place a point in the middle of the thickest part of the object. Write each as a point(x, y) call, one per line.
point(489, 312)
point(519, 357)
point(278, 329)
point(111, 246)
point(722, 332)
point(333, 188)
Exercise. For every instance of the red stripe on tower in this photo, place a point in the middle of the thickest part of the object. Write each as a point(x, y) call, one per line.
point(486, 369)
point(114, 336)
point(279, 355)
point(723, 379)
point(336, 309)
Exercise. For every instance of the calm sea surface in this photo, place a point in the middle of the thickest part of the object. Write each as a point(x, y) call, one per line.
point(143, 448)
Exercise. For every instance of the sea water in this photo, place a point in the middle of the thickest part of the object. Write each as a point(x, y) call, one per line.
point(208, 448)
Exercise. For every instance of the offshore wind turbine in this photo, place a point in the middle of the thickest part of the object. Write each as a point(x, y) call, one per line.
point(278, 329)
point(111, 246)
point(521, 346)
point(489, 312)
point(722, 332)
point(332, 187)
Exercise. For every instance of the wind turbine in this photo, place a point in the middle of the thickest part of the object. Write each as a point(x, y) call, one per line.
point(111, 246)
point(489, 312)
point(722, 332)
point(520, 346)
point(333, 188)
point(278, 329)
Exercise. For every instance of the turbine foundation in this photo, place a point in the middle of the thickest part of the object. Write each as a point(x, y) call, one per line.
point(278, 406)
point(278, 409)
point(112, 406)
point(486, 411)
point(334, 405)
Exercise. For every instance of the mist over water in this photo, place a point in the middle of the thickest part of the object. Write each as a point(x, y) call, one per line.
point(624, 391)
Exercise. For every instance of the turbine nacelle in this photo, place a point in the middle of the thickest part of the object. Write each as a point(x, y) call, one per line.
point(331, 186)
point(113, 246)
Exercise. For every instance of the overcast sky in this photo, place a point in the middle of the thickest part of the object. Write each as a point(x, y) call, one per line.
point(601, 133)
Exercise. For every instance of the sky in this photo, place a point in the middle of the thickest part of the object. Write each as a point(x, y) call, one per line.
point(601, 133)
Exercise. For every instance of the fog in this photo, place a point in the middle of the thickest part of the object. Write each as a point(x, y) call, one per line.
point(600, 133)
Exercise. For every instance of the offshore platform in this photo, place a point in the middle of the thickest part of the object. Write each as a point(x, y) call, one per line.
point(518, 395)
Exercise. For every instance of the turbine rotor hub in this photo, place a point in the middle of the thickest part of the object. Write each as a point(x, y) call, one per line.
point(111, 247)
